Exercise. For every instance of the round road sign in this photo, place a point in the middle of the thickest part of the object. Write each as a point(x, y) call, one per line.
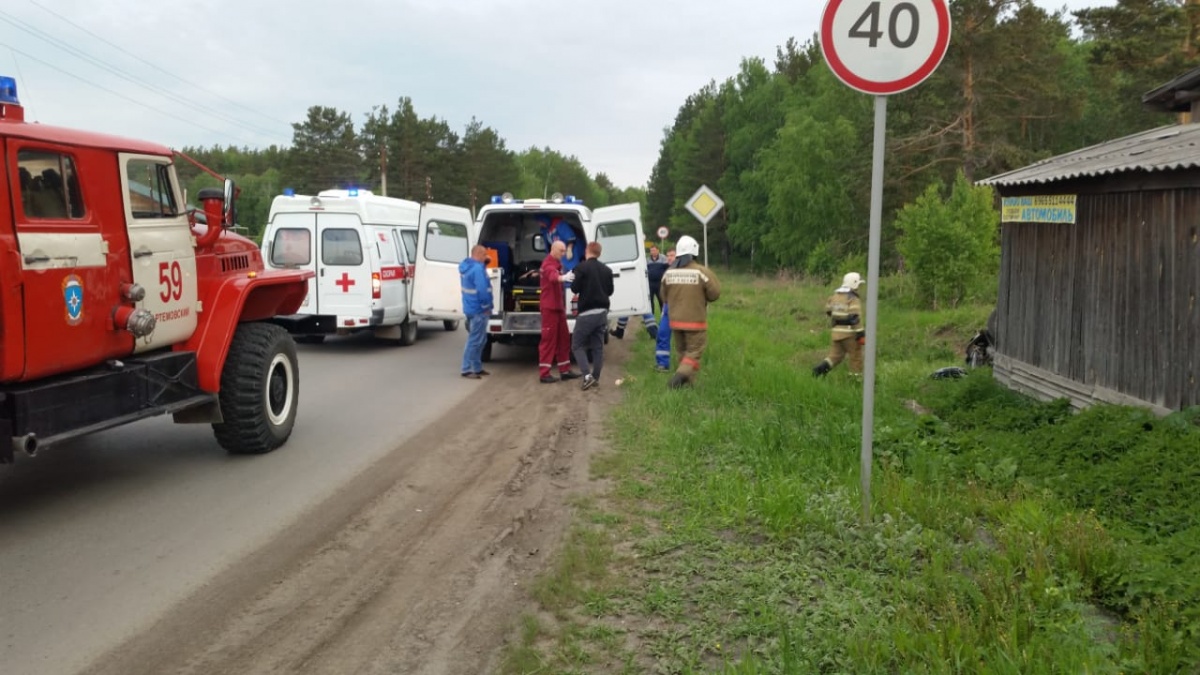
point(884, 46)
point(663, 232)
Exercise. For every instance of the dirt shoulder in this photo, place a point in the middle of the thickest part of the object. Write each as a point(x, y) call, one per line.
point(420, 564)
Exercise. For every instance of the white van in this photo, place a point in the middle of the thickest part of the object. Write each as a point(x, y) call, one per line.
point(513, 232)
point(363, 249)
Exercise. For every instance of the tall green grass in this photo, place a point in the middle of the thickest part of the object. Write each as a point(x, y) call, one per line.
point(1007, 536)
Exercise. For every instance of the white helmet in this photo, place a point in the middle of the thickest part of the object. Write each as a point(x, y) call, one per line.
point(852, 280)
point(687, 246)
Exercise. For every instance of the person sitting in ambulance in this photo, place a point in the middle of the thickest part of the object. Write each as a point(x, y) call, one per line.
point(556, 229)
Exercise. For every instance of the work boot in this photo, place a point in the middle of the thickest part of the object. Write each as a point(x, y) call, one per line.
point(547, 379)
point(569, 375)
point(618, 332)
point(821, 369)
point(653, 331)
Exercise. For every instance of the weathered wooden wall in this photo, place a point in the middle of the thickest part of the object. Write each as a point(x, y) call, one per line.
point(1109, 303)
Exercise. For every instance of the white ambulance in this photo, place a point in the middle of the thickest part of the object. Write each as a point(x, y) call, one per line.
point(515, 232)
point(363, 249)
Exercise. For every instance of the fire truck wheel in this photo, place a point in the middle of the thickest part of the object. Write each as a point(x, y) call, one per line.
point(260, 390)
point(450, 324)
point(408, 332)
point(486, 355)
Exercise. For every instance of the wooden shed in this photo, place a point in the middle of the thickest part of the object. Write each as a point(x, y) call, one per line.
point(1100, 271)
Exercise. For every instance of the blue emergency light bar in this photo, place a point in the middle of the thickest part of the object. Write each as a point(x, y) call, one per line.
point(506, 198)
point(8, 90)
point(289, 192)
point(353, 192)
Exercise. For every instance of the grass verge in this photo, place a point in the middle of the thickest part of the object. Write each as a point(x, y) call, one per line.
point(1007, 535)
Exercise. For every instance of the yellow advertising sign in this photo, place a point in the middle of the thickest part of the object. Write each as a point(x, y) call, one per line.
point(1039, 209)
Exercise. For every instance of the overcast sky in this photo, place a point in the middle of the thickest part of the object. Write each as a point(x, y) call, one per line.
point(599, 80)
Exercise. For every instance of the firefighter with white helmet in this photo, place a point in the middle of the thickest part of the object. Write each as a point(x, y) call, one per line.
point(849, 326)
point(687, 288)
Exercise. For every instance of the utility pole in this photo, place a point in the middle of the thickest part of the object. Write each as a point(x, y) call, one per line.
point(473, 192)
point(428, 189)
point(383, 168)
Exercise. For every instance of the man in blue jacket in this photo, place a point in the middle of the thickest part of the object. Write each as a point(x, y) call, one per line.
point(477, 305)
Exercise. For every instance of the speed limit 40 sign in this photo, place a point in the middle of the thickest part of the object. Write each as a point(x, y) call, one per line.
point(881, 47)
point(884, 47)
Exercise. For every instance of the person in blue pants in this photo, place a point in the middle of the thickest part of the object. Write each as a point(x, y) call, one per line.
point(647, 321)
point(662, 345)
point(477, 305)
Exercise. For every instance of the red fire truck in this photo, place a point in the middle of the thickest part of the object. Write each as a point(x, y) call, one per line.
point(117, 303)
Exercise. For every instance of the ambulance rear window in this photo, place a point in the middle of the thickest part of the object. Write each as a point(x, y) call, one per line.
point(341, 246)
point(619, 242)
point(447, 242)
point(291, 246)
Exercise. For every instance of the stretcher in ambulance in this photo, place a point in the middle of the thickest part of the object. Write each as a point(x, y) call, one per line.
point(517, 234)
point(362, 247)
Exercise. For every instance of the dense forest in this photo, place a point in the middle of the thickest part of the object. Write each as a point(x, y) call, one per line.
point(785, 144)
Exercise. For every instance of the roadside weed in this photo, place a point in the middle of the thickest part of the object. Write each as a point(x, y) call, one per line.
point(1007, 535)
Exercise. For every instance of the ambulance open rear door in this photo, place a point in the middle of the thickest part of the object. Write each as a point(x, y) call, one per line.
point(444, 239)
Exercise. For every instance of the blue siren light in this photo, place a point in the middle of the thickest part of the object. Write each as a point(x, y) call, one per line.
point(289, 192)
point(8, 90)
point(353, 192)
point(496, 199)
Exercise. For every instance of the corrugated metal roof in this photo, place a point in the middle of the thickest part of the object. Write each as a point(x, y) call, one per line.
point(1170, 148)
point(1176, 95)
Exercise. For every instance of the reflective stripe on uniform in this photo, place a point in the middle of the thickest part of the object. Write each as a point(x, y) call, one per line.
point(689, 325)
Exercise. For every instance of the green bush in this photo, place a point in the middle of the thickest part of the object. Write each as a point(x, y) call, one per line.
point(950, 245)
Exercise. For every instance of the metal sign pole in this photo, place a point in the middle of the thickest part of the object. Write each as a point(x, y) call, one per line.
point(868, 426)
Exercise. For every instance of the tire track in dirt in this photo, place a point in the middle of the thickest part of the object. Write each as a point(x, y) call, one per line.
point(418, 565)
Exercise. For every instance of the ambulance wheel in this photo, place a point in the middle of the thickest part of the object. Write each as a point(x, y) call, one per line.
point(450, 324)
point(408, 332)
point(486, 354)
point(260, 390)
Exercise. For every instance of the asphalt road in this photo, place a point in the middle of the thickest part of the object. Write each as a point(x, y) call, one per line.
point(99, 537)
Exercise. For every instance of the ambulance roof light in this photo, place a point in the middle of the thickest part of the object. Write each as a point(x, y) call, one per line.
point(8, 90)
point(289, 192)
point(557, 198)
point(352, 192)
point(507, 198)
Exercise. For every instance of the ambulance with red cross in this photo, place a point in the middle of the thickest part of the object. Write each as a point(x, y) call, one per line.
point(362, 248)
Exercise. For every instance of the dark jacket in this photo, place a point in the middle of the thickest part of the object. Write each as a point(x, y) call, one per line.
point(552, 299)
point(476, 288)
point(655, 269)
point(594, 284)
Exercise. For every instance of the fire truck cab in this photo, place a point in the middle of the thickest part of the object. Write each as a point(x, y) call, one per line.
point(362, 248)
point(117, 304)
point(515, 233)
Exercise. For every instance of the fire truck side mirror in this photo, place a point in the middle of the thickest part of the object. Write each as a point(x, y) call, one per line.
point(228, 215)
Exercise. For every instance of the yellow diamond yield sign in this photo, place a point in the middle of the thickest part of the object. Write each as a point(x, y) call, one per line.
point(704, 204)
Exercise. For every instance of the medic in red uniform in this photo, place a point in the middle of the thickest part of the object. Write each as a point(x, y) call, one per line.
point(554, 349)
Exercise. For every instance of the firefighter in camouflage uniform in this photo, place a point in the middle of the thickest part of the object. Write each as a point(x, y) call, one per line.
point(849, 327)
point(687, 288)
